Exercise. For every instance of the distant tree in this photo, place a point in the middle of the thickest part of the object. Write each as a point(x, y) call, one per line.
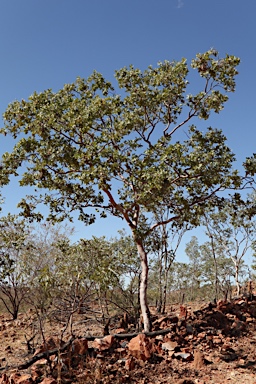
point(180, 281)
point(87, 147)
point(195, 266)
point(233, 231)
point(163, 244)
point(14, 247)
point(40, 262)
point(93, 269)
point(210, 268)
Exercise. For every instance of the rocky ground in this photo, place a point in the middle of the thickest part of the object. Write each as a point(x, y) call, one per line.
point(209, 344)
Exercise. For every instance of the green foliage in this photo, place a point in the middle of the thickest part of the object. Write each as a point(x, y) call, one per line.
point(210, 269)
point(14, 246)
point(231, 230)
point(89, 147)
point(86, 146)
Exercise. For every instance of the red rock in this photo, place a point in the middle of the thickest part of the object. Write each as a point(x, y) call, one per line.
point(25, 379)
point(141, 347)
point(130, 364)
point(201, 335)
point(80, 346)
point(48, 380)
point(36, 373)
point(183, 312)
point(198, 360)
point(217, 340)
point(221, 304)
point(104, 344)
point(17, 378)
point(4, 379)
point(119, 330)
point(169, 345)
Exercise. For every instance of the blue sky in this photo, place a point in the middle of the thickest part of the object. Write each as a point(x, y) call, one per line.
point(47, 43)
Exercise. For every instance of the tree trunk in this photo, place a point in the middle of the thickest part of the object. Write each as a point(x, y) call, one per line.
point(143, 286)
point(165, 290)
point(160, 288)
point(237, 279)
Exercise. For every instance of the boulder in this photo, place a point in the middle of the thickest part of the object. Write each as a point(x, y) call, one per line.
point(141, 347)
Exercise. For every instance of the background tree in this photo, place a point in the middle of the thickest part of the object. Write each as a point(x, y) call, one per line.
point(163, 244)
point(210, 269)
point(180, 282)
point(89, 147)
point(14, 248)
point(195, 266)
point(125, 294)
point(40, 264)
point(232, 230)
point(94, 269)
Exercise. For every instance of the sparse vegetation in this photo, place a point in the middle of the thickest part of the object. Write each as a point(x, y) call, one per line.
point(89, 150)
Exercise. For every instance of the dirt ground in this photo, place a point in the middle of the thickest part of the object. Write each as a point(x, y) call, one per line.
point(190, 345)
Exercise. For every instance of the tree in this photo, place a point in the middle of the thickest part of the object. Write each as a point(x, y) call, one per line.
point(88, 147)
point(14, 247)
point(180, 281)
point(39, 264)
point(163, 245)
point(195, 265)
point(232, 231)
point(209, 268)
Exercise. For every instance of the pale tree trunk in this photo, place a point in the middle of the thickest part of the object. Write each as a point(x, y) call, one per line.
point(237, 279)
point(160, 289)
point(165, 290)
point(143, 286)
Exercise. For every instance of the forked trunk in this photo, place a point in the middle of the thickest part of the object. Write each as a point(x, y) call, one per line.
point(143, 286)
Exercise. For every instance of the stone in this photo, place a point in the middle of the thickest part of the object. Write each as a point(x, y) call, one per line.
point(189, 329)
point(25, 379)
point(130, 364)
point(183, 312)
point(119, 330)
point(80, 346)
point(17, 378)
point(4, 379)
point(103, 344)
point(183, 356)
point(141, 347)
point(198, 360)
point(48, 380)
point(36, 373)
point(170, 346)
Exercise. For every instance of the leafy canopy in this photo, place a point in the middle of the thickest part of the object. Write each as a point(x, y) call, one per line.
point(87, 146)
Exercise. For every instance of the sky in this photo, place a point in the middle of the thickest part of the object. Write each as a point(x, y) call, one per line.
point(47, 43)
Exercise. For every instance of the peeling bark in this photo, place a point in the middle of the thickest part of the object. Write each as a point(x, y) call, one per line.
point(143, 286)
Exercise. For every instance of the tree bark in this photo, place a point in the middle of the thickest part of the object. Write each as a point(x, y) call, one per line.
point(160, 288)
point(143, 286)
point(237, 279)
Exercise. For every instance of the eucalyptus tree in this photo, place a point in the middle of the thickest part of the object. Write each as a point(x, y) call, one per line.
point(14, 246)
point(94, 269)
point(210, 268)
point(88, 148)
point(232, 232)
point(195, 265)
point(40, 263)
point(163, 244)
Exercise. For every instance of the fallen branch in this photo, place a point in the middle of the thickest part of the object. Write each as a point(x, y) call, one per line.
point(45, 354)
point(131, 335)
point(54, 351)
